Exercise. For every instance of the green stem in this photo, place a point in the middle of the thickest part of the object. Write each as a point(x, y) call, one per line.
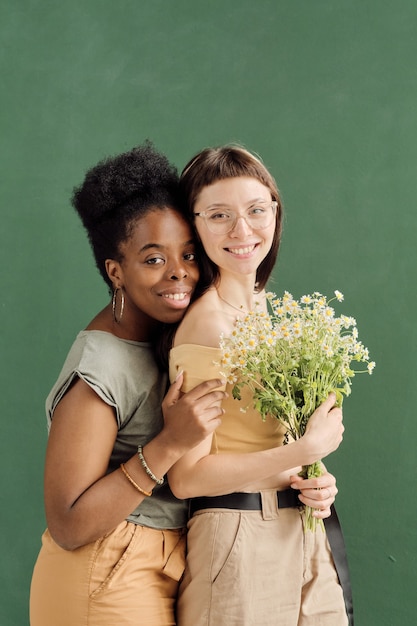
point(311, 523)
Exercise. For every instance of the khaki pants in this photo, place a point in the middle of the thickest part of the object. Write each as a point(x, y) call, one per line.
point(258, 568)
point(127, 578)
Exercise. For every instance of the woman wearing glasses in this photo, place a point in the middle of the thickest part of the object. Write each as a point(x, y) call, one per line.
point(249, 560)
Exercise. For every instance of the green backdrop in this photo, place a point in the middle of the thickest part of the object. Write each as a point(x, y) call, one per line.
point(325, 91)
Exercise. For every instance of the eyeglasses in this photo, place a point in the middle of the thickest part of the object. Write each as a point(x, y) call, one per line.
point(221, 221)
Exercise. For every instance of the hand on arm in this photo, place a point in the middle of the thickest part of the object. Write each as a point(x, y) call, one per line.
point(199, 473)
point(82, 503)
point(189, 419)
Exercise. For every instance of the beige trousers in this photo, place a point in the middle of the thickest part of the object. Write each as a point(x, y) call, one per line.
point(127, 578)
point(258, 568)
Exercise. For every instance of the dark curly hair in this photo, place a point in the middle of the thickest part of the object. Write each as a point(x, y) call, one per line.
point(118, 191)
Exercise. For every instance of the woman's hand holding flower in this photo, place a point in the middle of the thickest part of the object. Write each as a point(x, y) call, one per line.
point(324, 430)
point(317, 493)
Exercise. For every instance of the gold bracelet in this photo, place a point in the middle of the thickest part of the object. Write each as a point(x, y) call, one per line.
point(132, 482)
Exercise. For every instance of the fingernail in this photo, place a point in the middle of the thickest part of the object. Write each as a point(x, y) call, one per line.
point(179, 374)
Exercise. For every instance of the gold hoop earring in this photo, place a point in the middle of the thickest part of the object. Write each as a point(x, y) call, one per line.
point(122, 305)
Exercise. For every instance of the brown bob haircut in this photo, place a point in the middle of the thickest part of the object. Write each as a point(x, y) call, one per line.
point(214, 164)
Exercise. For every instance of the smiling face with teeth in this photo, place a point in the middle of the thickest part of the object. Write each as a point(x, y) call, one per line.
point(243, 248)
point(157, 270)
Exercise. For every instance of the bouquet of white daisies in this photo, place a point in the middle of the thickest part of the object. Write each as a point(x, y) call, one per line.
point(291, 359)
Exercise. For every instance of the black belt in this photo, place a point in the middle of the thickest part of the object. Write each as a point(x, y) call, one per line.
point(288, 499)
point(337, 545)
point(244, 501)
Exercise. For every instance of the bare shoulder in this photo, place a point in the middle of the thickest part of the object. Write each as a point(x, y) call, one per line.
point(203, 324)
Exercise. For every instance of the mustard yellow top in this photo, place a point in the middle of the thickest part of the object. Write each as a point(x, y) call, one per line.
point(239, 431)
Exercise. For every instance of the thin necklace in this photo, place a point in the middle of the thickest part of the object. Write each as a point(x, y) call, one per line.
point(241, 309)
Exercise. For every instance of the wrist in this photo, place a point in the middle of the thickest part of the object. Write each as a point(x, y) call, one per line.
point(307, 452)
point(149, 472)
point(166, 448)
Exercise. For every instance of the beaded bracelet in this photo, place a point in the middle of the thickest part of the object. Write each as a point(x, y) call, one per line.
point(132, 482)
point(158, 481)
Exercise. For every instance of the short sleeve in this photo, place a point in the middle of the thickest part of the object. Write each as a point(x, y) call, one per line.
point(199, 363)
point(112, 368)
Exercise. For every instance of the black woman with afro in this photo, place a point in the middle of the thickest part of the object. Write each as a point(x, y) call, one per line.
point(114, 548)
